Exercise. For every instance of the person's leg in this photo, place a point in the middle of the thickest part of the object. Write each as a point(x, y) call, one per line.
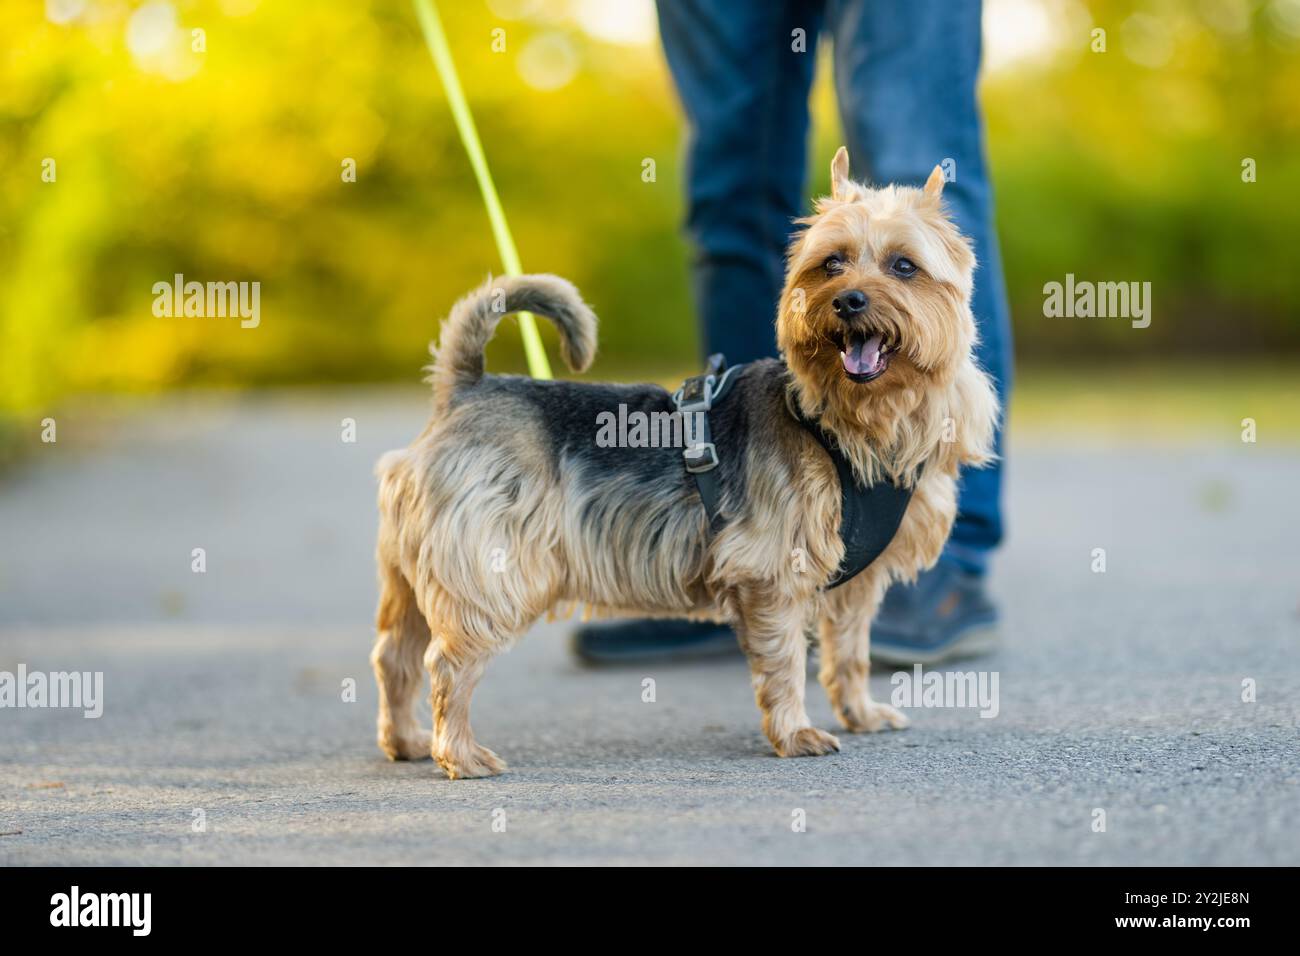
point(743, 80)
point(743, 76)
point(905, 76)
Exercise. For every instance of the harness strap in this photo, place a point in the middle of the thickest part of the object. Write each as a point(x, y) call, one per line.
point(869, 516)
point(694, 399)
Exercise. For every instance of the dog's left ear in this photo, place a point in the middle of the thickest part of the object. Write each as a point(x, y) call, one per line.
point(840, 175)
point(934, 185)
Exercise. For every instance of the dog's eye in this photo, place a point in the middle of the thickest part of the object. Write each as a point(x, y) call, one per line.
point(834, 265)
point(903, 267)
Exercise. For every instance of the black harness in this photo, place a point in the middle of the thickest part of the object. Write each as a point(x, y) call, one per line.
point(869, 516)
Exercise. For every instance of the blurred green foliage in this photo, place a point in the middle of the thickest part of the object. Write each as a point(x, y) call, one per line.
point(226, 164)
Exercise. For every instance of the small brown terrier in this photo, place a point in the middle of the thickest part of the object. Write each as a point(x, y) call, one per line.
point(506, 507)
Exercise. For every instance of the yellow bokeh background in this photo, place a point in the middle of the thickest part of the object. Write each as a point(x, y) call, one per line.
point(219, 155)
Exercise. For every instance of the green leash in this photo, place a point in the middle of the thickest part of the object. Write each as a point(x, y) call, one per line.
point(434, 36)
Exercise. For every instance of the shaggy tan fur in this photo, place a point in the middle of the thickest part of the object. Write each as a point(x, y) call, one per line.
point(484, 527)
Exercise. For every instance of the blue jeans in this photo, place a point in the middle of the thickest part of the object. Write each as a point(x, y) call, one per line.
point(905, 73)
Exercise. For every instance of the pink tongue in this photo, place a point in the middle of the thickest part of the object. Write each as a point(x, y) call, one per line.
point(862, 357)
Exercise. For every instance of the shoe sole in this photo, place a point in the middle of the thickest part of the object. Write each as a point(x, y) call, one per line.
point(974, 643)
point(683, 653)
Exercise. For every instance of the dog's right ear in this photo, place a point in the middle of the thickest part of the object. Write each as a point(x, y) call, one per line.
point(840, 187)
point(934, 185)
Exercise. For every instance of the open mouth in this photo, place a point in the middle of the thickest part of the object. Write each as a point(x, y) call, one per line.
point(866, 355)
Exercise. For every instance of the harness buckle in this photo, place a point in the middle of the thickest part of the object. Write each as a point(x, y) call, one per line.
point(701, 399)
point(701, 457)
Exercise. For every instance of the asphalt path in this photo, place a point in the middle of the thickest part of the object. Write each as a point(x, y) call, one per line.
point(226, 736)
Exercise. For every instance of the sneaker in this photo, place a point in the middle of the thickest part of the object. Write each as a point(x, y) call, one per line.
point(947, 614)
point(626, 642)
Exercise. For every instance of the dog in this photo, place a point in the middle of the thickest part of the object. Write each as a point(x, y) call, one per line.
point(505, 508)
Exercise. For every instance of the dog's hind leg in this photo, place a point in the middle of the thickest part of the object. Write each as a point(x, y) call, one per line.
point(397, 660)
point(455, 667)
point(772, 637)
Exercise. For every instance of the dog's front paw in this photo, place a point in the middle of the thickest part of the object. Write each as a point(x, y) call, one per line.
point(475, 762)
point(866, 716)
point(417, 745)
point(806, 742)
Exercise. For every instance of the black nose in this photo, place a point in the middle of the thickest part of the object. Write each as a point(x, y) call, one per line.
point(849, 304)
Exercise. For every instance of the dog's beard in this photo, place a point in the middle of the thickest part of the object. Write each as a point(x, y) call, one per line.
point(864, 383)
point(907, 341)
point(858, 359)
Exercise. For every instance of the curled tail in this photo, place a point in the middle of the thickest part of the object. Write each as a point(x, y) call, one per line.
point(458, 356)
